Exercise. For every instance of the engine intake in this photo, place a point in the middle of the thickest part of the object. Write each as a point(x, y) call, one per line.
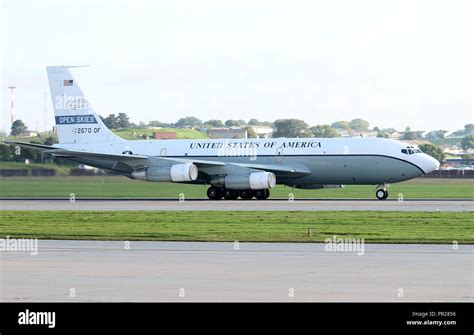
point(253, 181)
point(166, 173)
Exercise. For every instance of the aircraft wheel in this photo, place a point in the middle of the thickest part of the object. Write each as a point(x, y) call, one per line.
point(267, 194)
point(214, 193)
point(381, 194)
point(261, 194)
point(230, 194)
point(246, 194)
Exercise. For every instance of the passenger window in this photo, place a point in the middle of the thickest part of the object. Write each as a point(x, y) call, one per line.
point(404, 151)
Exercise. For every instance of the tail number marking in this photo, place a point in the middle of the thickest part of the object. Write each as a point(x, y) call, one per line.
point(86, 130)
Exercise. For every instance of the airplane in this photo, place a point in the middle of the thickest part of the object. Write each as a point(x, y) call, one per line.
point(233, 168)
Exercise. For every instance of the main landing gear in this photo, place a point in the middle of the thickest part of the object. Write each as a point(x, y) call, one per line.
point(217, 193)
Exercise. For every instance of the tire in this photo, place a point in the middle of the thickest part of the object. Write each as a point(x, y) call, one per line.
point(230, 194)
point(260, 194)
point(381, 194)
point(214, 193)
point(246, 194)
point(267, 194)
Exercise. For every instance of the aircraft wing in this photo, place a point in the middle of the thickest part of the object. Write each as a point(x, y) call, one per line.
point(93, 155)
point(127, 163)
point(36, 146)
point(219, 167)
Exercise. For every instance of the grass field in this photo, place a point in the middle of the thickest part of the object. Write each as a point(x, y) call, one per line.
point(248, 226)
point(121, 187)
point(61, 170)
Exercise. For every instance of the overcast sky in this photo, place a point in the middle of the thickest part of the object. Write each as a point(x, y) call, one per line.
point(394, 63)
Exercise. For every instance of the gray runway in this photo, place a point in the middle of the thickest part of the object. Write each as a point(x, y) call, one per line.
point(241, 205)
point(164, 271)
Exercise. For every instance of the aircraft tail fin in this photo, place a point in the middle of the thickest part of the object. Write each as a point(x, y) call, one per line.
point(76, 121)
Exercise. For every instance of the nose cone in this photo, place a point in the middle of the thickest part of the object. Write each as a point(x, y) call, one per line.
point(429, 163)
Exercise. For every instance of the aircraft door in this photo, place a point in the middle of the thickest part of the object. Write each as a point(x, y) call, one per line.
point(279, 154)
point(163, 152)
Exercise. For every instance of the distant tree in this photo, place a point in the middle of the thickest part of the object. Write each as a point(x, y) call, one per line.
point(267, 124)
point(189, 121)
point(410, 135)
point(255, 122)
point(436, 134)
point(359, 125)
point(291, 128)
point(5, 153)
point(324, 131)
point(49, 140)
point(214, 123)
point(122, 120)
point(341, 125)
point(467, 142)
point(376, 129)
point(18, 128)
point(34, 156)
point(155, 124)
point(251, 133)
point(469, 127)
point(390, 130)
point(434, 151)
point(110, 121)
point(383, 134)
point(235, 123)
point(141, 125)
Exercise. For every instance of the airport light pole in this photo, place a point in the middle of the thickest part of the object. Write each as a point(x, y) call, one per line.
point(12, 104)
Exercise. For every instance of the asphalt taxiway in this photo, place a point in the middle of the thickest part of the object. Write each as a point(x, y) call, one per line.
point(240, 205)
point(188, 271)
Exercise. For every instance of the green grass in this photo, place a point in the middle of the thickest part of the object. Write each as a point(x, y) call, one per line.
point(446, 141)
point(121, 187)
point(60, 169)
point(134, 134)
point(244, 226)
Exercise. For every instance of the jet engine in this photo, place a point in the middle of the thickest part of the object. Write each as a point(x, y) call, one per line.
point(166, 173)
point(253, 181)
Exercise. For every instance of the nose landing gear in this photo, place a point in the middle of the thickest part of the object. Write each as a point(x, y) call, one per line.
point(381, 194)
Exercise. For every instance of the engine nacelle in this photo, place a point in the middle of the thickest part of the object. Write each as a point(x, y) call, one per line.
point(164, 173)
point(254, 181)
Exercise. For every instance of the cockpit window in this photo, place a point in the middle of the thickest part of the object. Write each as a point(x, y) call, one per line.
point(411, 151)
